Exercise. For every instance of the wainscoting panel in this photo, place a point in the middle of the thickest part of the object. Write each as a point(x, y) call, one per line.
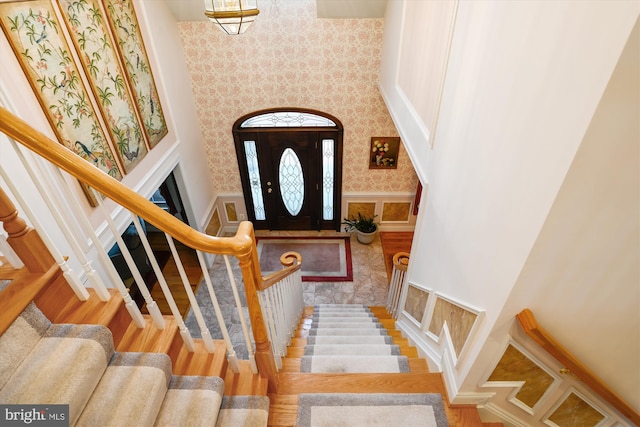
point(517, 368)
point(231, 211)
point(394, 210)
point(459, 319)
point(416, 302)
point(575, 410)
point(214, 226)
point(366, 209)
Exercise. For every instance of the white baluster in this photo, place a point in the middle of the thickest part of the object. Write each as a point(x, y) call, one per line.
point(243, 321)
point(231, 352)
point(267, 313)
point(78, 288)
point(45, 192)
point(8, 252)
point(204, 331)
point(140, 323)
point(162, 282)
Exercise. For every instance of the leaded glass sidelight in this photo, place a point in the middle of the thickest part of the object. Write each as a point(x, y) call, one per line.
point(327, 178)
point(291, 181)
point(254, 179)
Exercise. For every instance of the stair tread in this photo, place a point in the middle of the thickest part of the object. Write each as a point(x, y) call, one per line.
point(243, 410)
point(130, 391)
point(351, 349)
point(347, 331)
point(354, 364)
point(149, 339)
point(93, 311)
point(199, 362)
point(191, 401)
point(63, 367)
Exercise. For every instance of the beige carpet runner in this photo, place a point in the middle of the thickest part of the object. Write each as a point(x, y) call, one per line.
point(348, 338)
point(369, 410)
point(44, 363)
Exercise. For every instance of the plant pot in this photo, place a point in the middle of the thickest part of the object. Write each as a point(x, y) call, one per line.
point(366, 238)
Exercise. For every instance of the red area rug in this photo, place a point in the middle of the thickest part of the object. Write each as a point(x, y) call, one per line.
point(324, 259)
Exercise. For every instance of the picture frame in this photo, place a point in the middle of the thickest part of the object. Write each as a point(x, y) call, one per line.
point(383, 152)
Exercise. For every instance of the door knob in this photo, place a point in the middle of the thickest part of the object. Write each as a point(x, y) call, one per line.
point(269, 190)
point(268, 182)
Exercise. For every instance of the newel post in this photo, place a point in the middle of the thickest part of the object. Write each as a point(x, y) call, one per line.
point(264, 354)
point(25, 241)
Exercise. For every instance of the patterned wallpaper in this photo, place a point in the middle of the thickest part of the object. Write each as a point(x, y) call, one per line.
point(289, 58)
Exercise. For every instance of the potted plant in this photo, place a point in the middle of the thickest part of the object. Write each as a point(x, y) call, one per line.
point(365, 227)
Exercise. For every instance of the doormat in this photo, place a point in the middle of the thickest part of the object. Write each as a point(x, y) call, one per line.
point(324, 259)
point(355, 410)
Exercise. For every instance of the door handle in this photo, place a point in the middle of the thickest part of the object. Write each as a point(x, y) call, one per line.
point(269, 190)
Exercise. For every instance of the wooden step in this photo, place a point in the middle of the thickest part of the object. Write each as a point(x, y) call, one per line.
point(296, 383)
point(463, 415)
point(149, 339)
point(244, 382)
point(200, 361)
point(7, 272)
point(283, 410)
point(91, 312)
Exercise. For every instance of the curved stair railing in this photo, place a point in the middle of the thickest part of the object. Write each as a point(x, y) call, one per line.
point(279, 294)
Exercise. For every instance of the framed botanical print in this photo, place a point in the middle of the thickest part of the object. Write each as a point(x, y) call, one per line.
point(90, 34)
point(124, 25)
point(384, 152)
point(36, 37)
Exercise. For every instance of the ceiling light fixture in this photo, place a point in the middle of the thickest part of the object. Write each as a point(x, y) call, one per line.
point(232, 16)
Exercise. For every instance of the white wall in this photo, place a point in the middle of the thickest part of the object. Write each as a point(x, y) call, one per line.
point(581, 278)
point(166, 51)
point(522, 84)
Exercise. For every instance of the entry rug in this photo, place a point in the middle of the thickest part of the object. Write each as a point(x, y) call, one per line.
point(324, 259)
point(360, 410)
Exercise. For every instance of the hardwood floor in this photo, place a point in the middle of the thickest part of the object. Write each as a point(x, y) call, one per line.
point(392, 243)
point(171, 274)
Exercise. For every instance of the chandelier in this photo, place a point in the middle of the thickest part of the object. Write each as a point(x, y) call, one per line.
point(232, 16)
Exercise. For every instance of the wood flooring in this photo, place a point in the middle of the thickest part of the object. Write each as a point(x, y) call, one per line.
point(392, 243)
point(171, 274)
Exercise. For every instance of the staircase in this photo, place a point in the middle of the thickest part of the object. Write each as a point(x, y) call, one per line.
point(349, 339)
point(48, 363)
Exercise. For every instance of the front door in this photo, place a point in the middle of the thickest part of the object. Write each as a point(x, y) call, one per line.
point(290, 177)
point(289, 163)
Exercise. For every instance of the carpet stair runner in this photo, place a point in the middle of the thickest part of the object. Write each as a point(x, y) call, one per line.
point(349, 338)
point(45, 363)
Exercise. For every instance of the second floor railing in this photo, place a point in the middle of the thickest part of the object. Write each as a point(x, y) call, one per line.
point(274, 302)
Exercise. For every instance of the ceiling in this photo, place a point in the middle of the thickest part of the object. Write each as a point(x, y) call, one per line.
point(193, 10)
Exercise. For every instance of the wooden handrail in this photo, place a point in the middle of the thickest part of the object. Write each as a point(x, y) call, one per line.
point(242, 245)
point(65, 159)
point(530, 326)
point(401, 261)
point(273, 278)
point(292, 261)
